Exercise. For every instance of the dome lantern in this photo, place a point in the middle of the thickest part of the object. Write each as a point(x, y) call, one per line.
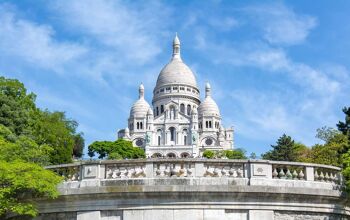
point(176, 48)
point(141, 91)
point(207, 90)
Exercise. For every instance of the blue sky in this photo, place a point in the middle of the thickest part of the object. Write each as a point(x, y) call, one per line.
point(275, 67)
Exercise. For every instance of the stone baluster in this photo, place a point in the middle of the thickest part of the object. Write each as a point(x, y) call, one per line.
point(275, 173)
point(281, 174)
point(301, 175)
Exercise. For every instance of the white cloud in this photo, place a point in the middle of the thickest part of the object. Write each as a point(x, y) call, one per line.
point(223, 24)
point(34, 43)
point(281, 25)
point(130, 30)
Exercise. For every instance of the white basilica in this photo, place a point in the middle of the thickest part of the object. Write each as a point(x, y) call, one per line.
point(179, 124)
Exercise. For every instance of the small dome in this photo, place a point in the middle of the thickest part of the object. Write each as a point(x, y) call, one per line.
point(149, 112)
point(209, 107)
point(139, 108)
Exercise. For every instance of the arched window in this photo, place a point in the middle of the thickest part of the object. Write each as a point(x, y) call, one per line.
point(172, 133)
point(206, 124)
point(141, 127)
point(184, 155)
point(172, 112)
point(209, 124)
point(157, 111)
point(138, 125)
point(182, 108)
point(159, 134)
point(171, 155)
point(188, 109)
point(156, 155)
point(161, 109)
point(185, 136)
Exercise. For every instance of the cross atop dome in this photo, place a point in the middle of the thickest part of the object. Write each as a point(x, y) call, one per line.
point(176, 47)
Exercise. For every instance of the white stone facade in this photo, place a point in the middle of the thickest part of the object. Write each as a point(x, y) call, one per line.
point(178, 124)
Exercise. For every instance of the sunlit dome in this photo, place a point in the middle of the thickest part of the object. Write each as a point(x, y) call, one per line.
point(141, 106)
point(176, 71)
point(208, 107)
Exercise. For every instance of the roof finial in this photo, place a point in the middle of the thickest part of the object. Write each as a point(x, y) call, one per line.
point(176, 47)
point(141, 91)
point(207, 90)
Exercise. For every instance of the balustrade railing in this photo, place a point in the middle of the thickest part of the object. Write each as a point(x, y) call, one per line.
point(199, 168)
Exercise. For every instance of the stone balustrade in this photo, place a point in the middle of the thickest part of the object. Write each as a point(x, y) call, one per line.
point(253, 170)
point(196, 188)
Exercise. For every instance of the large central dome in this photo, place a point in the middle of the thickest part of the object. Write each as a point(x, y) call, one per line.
point(176, 72)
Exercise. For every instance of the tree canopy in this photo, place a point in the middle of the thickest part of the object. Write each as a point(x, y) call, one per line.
point(119, 149)
point(20, 183)
point(29, 139)
point(284, 150)
point(344, 128)
point(238, 153)
point(19, 115)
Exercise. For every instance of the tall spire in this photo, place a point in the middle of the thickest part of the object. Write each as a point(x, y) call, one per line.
point(176, 48)
point(141, 91)
point(207, 90)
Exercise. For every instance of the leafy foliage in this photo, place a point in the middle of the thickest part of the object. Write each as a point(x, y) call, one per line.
point(229, 154)
point(208, 154)
point(32, 126)
point(235, 154)
point(20, 182)
point(79, 144)
point(16, 106)
point(120, 149)
point(25, 149)
point(55, 130)
point(344, 128)
point(29, 139)
point(284, 150)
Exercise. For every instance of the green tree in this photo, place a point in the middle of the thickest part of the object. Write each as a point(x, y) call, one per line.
point(235, 154)
point(326, 133)
point(79, 144)
point(208, 154)
point(16, 106)
point(329, 153)
point(284, 150)
point(55, 130)
point(20, 183)
point(344, 127)
point(115, 150)
point(253, 156)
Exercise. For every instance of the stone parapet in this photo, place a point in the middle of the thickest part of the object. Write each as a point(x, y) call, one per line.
point(198, 189)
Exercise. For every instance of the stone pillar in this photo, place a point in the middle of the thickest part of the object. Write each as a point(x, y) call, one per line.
point(261, 215)
point(309, 173)
point(149, 170)
point(89, 215)
point(199, 169)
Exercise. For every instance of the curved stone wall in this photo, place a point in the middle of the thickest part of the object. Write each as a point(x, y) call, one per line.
point(196, 189)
